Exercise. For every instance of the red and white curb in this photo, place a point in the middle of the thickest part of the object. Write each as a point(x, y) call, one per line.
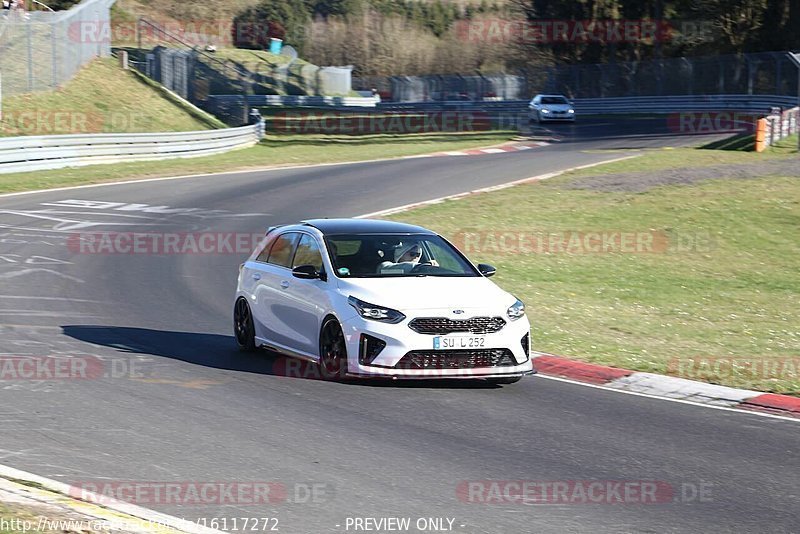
point(27, 489)
point(517, 147)
point(668, 387)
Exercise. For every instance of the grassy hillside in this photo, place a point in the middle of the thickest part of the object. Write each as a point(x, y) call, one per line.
point(101, 98)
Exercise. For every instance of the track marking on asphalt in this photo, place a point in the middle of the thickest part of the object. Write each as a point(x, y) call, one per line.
point(36, 297)
point(681, 401)
point(26, 272)
point(35, 313)
point(32, 260)
point(488, 189)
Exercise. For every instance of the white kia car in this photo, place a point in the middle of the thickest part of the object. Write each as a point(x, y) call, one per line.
point(551, 108)
point(370, 298)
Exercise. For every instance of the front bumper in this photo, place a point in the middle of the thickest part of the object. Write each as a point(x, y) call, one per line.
point(401, 340)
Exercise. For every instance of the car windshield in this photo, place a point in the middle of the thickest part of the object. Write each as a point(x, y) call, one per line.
point(392, 255)
point(554, 100)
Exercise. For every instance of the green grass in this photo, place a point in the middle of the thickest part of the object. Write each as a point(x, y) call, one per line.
point(273, 151)
point(101, 98)
point(727, 284)
point(246, 56)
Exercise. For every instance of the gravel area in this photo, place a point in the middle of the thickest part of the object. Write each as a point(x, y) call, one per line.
point(637, 182)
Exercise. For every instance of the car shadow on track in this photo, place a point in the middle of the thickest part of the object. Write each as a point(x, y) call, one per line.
point(219, 352)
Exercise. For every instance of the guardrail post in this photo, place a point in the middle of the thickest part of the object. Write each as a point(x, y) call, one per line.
point(771, 130)
point(123, 59)
point(795, 58)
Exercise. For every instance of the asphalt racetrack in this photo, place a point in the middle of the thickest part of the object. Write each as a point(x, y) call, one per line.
point(177, 402)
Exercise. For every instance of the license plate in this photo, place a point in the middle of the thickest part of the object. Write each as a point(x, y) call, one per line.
point(459, 342)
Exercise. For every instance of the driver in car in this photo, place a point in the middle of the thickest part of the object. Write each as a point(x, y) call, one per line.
point(406, 257)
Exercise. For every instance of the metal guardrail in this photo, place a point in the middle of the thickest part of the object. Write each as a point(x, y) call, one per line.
point(300, 100)
point(674, 104)
point(31, 153)
point(620, 105)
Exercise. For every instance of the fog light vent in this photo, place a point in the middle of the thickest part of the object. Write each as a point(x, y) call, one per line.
point(368, 349)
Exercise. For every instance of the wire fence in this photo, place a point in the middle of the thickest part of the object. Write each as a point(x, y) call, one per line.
point(197, 74)
point(771, 73)
point(40, 50)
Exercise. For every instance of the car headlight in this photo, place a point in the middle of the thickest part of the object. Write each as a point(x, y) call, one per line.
point(545, 111)
point(570, 111)
point(374, 312)
point(516, 310)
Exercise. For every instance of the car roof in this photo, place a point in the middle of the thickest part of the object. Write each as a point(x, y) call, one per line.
point(365, 226)
point(559, 96)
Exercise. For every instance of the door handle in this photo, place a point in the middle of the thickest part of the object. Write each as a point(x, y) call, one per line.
point(285, 284)
point(256, 276)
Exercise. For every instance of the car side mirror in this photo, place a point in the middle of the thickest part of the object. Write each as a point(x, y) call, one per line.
point(306, 272)
point(486, 269)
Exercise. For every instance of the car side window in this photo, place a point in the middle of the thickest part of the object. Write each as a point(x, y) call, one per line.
point(264, 254)
point(282, 250)
point(308, 253)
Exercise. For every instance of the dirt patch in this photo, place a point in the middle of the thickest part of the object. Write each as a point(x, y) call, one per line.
point(637, 182)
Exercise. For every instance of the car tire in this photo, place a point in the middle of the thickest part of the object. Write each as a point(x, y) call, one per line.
point(505, 380)
point(243, 329)
point(332, 350)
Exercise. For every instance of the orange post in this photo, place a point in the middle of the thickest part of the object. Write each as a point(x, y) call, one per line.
point(761, 134)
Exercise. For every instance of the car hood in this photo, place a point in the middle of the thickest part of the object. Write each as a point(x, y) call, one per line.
point(557, 107)
point(427, 292)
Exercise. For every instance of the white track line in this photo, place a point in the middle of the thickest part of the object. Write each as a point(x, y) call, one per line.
point(439, 200)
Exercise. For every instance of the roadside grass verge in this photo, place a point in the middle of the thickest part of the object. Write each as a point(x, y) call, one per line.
point(673, 158)
point(272, 151)
point(720, 283)
point(100, 98)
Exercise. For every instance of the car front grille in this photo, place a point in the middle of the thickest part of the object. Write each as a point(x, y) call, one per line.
point(443, 325)
point(456, 359)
